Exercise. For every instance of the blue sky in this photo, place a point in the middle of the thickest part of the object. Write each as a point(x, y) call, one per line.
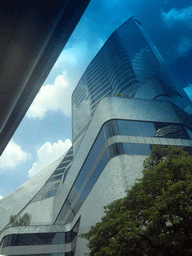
point(45, 132)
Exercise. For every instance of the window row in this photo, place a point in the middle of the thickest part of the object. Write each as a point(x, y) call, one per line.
point(41, 238)
point(53, 178)
point(50, 188)
point(109, 129)
point(70, 208)
point(52, 191)
point(47, 190)
point(144, 129)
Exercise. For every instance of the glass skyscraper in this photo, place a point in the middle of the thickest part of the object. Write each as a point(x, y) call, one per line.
point(124, 104)
point(129, 65)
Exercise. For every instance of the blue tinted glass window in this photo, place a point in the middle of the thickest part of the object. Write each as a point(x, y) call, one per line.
point(99, 168)
point(118, 148)
point(122, 127)
point(51, 191)
point(35, 239)
point(147, 128)
point(15, 240)
point(127, 148)
point(6, 241)
point(115, 149)
point(68, 237)
point(54, 186)
point(44, 238)
point(59, 171)
point(144, 149)
point(189, 132)
point(78, 204)
point(65, 163)
point(73, 193)
point(111, 129)
point(49, 194)
point(64, 210)
point(24, 240)
point(137, 131)
point(130, 128)
point(55, 178)
point(90, 160)
point(59, 238)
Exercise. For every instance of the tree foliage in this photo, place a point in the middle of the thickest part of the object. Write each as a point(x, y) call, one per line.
point(21, 221)
point(155, 218)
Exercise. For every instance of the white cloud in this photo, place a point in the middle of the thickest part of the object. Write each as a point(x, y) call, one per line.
point(47, 154)
point(12, 156)
point(52, 97)
point(177, 18)
point(175, 15)
point(0, 199)
point(71, 55)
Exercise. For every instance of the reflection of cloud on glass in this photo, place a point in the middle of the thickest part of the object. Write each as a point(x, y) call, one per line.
point(188, 110)
point(188, 91)
point(142, 56)
point(81, 111)
point(184, 46)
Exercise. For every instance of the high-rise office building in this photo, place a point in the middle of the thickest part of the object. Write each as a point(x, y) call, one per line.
point(123, 105)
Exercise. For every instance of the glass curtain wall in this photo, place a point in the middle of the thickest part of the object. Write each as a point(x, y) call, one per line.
point(126, 62)
point(100, 154)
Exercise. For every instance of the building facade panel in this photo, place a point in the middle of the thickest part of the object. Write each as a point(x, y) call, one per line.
point(114, 180)
point(113, 108)
point(15, 202)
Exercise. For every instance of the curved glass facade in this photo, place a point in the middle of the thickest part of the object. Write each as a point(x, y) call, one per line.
point(139, 141)
point(41, 238)
point(128, 65)
point(34, 239)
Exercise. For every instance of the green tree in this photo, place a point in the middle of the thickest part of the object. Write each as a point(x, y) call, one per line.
point(155, 218)
point(22, 221)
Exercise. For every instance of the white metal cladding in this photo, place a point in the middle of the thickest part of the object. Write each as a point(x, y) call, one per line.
point(113, 108)
point(15, 202)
